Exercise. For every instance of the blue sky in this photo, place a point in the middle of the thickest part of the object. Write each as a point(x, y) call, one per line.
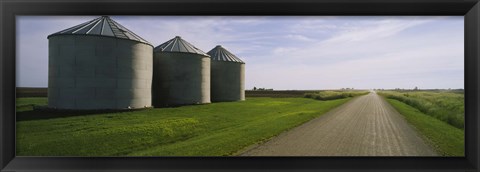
point(290, 52)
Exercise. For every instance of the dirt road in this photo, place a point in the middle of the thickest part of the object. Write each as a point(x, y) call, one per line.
point(365, 126)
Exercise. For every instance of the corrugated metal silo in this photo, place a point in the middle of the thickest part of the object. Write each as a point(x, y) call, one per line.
point(99, 65)
point(181, 74)
point(227, 76)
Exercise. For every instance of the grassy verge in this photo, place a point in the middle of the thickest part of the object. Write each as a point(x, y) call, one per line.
point(216, 129)
point(447, 140)
point(332, 95)
point(446, 106)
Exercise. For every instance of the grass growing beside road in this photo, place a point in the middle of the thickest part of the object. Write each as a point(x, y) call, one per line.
point(446, 139)
point(443, 105)
point(198, 130)
point(332, 95)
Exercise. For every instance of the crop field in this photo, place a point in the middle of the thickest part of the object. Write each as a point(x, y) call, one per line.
point(31, 92)
point(315, 94)
point(332, 95)
point(217, 129)
point(437, 115)
point(276, 94)
point(443, 105)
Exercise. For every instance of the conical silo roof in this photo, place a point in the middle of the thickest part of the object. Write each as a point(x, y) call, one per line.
point(103, 26)
point(221, 54)
point(177, 44)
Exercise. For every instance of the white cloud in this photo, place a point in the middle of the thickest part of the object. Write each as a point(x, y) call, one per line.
point(314, 24)
point(298, 37)
point(379, 30)
point(283, 50)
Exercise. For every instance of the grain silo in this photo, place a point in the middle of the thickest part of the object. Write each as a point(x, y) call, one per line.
point(181, 74)
point(99, 65)
point(227, 76)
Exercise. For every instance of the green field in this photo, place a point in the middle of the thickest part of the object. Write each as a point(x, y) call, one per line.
point(215, 129)
point(26, 104)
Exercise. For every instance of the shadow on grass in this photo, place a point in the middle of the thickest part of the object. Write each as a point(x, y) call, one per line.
point(44, 113)
point(33, 112)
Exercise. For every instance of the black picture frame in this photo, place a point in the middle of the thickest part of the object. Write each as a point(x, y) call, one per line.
point(470, 9)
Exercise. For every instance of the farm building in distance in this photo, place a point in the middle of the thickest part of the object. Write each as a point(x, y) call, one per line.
point(99, 65)
point(181, 74)
point(227, 76)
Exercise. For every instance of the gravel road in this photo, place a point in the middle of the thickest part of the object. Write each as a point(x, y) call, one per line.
point(364, 126)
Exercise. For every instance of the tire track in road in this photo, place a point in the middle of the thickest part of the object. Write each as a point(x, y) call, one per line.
point(364, 126)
